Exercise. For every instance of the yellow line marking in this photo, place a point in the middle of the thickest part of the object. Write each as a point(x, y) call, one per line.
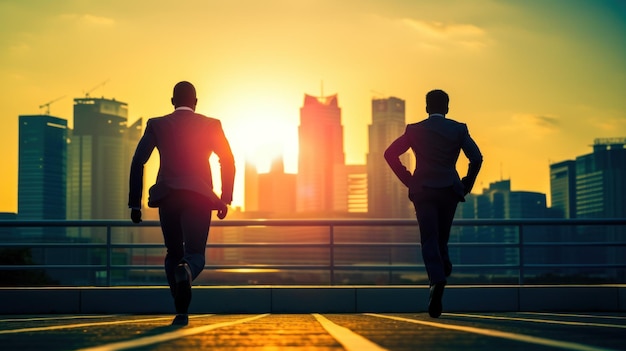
point(598, 316)
point(33, 319)
point(85, 325)
point(546, 321)
point(149, 340)
point(346, 337)
point(499, 334)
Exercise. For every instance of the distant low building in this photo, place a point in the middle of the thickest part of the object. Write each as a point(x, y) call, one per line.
point(357, 188)
point(277, 190)
point(497, 201)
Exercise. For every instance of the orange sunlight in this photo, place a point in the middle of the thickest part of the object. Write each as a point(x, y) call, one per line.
point(259, 131)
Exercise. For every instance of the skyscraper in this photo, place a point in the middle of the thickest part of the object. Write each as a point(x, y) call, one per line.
point(42, 167)
point(601, 180)
point(100, 151)
point(594, 185)
point(387, 196)
point(563, 188)
point(322, 177)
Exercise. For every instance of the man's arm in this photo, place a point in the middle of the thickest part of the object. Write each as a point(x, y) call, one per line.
point(227, 164)
point(142, 154)
point(392, 156)
point(472, 152)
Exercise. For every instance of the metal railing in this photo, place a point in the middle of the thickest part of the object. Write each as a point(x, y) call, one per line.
point(520, 245)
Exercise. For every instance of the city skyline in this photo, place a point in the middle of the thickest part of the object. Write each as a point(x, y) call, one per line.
point(536, 82)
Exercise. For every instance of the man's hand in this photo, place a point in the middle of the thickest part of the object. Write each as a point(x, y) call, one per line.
point(223, 203)
point(467, 185)
point(222, 212)
point(135, 215)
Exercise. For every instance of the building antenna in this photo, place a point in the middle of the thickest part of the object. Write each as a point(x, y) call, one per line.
point(501, 176)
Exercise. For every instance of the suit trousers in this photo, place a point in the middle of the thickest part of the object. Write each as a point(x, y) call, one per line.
point(434, 209)
point(185, 221)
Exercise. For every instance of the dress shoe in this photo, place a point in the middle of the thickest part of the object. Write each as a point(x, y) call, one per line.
point(181, 319)
point(182, 296)
point(435, 305)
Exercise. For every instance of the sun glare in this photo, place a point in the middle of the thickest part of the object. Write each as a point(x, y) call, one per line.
point(261, 130)
point(263, 142)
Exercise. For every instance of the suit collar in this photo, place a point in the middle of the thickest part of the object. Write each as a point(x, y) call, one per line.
point(185, 108)
point(436, 115)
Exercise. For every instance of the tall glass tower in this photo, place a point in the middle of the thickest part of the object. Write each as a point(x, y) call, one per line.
point(42, 167)
point(387, 196)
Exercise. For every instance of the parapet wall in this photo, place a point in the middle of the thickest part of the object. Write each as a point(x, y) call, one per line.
point(309, 299)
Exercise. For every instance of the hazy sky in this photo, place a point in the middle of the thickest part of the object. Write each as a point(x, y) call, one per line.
point(536, 81)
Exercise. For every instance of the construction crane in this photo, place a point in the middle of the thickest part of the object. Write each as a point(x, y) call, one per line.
point(381, 95)
point(96, 87)
point(47, 104)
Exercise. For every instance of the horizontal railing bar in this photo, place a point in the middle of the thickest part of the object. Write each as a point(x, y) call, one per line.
point(315, 267)
point(53, 266)
point(308, 245)
point(575, 265)
point(577, 243)
point(372, 222)
point(57, 245)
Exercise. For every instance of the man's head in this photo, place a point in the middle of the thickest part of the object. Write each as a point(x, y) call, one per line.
point(184, 95)
point(437, 102)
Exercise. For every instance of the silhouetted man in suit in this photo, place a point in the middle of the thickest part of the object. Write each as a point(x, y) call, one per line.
point(435, 187)
point(184, 188)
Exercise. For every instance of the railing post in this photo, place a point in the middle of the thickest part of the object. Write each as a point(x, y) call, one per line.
point(109, 255)
point(390, 262)
point(332, 254)
point(521, 254)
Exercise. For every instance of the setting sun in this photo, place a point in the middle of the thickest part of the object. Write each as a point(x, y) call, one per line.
point(260, 130)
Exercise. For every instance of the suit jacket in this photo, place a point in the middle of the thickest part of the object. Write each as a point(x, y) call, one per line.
point(185, 141)
point(436, 143)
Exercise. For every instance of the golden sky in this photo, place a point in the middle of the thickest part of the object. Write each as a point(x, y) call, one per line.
point(536, 81)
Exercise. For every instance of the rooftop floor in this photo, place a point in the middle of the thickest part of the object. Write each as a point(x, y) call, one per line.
point(592, 331)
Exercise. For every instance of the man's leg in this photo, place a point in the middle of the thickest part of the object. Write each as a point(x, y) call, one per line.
point(196, 220)
point(428, 209)
point(172, 237)
point(427, 218)
point(447, 208)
